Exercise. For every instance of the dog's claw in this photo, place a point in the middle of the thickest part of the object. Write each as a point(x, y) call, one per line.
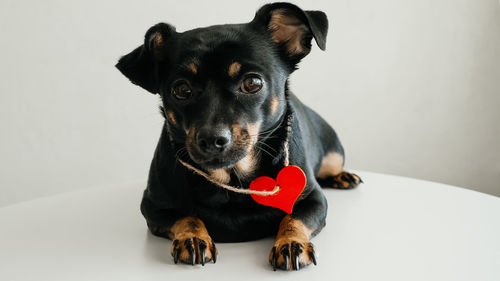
point(344, 180)
point(313, 257)
point(202, 246)
point(214, 252)
point(189, 247)
point(285, 252)
point(348, 177)
point(176, 255)
point(296, 249)
point(193, 250)
point(311, 253)
point(274, 258)
point(292, 255)
point(176, 252)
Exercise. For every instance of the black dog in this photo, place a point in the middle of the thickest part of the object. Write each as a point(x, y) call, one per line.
point(226, 105)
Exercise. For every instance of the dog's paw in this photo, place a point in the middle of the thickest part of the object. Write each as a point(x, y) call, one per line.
point(346, 180)
point(288, 254)
point(194, 250)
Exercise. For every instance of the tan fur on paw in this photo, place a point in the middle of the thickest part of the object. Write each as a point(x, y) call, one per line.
point(292, 255)
point(191, 242)
point(292, 249)
point(346, 180)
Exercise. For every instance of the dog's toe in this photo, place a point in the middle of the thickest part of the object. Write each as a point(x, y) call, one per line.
point(346, 180)
point(193, 250)
point(292, 255)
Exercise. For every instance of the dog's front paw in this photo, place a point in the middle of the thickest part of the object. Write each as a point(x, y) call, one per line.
point(191, 242)
point(194, 250)
point(290, 254)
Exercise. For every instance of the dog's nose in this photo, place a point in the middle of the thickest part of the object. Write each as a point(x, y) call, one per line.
point(213, 140)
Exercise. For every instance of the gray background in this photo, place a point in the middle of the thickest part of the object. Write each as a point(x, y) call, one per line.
point(412, 88)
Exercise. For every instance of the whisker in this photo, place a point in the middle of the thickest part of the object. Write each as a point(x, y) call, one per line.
point(180, 153)
point(263, 150)
point(267, 145)
point(237, 174)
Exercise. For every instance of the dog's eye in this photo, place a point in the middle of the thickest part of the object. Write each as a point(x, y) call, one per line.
point(251, 85)
point(182, 91)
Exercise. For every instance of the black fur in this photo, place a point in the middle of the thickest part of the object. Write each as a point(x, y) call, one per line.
point(173, 191)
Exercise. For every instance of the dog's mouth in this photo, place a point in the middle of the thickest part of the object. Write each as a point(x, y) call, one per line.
point(240, 144)
point(225, 160)
point(218, 162)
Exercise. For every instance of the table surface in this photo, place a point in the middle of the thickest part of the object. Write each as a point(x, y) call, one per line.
point(389, 228)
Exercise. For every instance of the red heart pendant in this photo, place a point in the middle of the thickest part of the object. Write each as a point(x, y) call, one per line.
point(291, 180)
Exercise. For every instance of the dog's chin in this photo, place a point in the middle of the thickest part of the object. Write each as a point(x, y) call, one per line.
point(218, 162)
point(215, 164)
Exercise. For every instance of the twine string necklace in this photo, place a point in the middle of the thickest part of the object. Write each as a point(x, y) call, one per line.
point(277, 188)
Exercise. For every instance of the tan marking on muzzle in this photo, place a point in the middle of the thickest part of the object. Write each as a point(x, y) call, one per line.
point(236, 130)
point(253, 130)
point(220, 175)
point(249, 163)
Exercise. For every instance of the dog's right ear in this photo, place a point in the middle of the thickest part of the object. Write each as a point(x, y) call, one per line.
point(141, 65)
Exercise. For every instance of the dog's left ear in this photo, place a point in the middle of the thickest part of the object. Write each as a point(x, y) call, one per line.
point(141, 65)
point(292, 28)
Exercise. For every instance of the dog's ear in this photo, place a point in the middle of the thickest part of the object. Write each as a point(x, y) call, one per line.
point(141, 65)
point(292, 28)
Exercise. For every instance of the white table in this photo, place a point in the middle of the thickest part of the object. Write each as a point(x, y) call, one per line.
point(390, 228)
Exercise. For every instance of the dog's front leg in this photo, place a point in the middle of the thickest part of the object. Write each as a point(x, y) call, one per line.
point(191, 242)
point(292, 248)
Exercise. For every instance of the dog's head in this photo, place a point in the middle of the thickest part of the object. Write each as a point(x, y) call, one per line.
point(223, 86)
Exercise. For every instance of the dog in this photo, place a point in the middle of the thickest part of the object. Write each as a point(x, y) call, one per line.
point(227, 108)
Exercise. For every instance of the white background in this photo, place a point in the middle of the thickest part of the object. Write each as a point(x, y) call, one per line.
point(412, 88)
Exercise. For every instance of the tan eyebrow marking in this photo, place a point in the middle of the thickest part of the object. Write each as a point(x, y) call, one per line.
point(234, 68)
point(172, 117)
point(193, 68)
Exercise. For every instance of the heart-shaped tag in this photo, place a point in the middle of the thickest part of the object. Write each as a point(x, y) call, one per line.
point(291, 180)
